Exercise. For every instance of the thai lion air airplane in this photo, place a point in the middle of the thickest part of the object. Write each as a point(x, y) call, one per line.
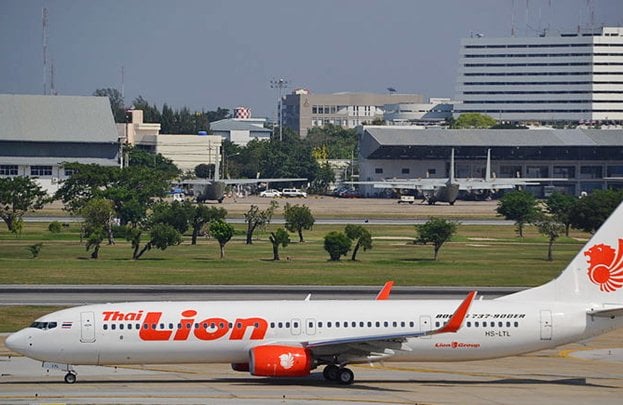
point(291, 338)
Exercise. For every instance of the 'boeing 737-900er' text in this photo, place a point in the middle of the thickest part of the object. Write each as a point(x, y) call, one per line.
point(292, 338)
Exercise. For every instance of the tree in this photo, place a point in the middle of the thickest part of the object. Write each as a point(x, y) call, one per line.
point(361, 235)
point(560, 205)
point(337, 244)
point(201, 215)
point(436, 231)
point(164, 167)
point(298, 218)
point(176, 214)
point(204, 171)
point(325, 177)
point(161, 236)
point(131, 189)
point(334, 141)
point(222, 232)
point(519, 206)
point(473, 120)
point(116, 102)
point(590, 212)
point(552, 229)
point(19, 195)
point(98, 216)
point(256, 218)
point(279, 238)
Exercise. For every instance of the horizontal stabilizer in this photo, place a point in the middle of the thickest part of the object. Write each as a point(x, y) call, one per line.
point(606, 312)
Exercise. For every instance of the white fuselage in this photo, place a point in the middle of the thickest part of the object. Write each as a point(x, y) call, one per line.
point(223, 332)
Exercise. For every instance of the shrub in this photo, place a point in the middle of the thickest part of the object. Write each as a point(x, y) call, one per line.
point(55, 227)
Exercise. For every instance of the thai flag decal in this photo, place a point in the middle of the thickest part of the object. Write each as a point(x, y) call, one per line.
point(66, 324)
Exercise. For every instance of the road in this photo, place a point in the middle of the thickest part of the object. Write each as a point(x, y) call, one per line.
point(92, 294)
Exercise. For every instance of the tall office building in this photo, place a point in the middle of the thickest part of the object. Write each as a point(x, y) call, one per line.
point(563, 77)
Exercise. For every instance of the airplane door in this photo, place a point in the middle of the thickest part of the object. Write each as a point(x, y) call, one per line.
point(295, 327)
point(425, 325)
point(87, 327)
point(546, 325)
point(310, 325)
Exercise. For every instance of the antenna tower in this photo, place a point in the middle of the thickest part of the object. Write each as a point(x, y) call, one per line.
point(44, 23)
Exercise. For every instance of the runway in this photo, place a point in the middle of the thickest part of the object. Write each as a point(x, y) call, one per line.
point(94, 294)
point(572, 374)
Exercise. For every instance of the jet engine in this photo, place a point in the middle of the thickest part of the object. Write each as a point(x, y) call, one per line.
point(280, 361)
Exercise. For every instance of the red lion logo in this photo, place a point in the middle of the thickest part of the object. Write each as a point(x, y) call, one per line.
point(605, 266)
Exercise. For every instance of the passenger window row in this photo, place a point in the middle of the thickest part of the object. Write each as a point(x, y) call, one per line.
point(346, 324)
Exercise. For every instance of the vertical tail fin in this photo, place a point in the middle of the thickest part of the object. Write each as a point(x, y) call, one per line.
point(452, 167)
point(595, 275)
point(488, 168)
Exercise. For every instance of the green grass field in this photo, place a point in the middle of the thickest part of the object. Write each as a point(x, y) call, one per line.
point(477, 256)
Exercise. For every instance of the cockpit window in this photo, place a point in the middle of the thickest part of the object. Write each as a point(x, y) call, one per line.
point(44, 325)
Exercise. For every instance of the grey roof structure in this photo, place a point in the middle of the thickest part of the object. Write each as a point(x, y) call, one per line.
point(35, 118)
point(383, 142)
point(236, 124)
point(401, 136)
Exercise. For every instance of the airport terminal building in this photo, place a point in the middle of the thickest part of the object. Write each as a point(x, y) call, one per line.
point(583, 159)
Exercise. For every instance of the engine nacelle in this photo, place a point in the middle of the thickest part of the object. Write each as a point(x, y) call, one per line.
point(279, 361)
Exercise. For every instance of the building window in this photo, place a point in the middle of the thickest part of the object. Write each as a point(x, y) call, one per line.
point(615, 171)
point(591, 172)
point(405, 170)
point(70, 172)
point(564, 172)
point(8, 170)
point(378, 170)
point(430, 172)
point(537, 171)
point(40, 170)
point(510, 171)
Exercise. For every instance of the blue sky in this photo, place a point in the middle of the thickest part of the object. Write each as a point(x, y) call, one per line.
point(209, 53)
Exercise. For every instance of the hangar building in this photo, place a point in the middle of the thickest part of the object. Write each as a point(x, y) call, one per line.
point(583, 159)
point(40, 133)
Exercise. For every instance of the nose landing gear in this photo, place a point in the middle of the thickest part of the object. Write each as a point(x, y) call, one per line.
point(70, 377)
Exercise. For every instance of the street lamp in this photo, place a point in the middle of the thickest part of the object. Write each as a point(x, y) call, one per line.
point(279, 84)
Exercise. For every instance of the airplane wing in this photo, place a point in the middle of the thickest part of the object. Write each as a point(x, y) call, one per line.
point(377, 347)
point(414, 184)
point(501, 183)
point(260, 180)
point(245, 181)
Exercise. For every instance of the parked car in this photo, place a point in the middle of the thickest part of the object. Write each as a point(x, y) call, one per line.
point(272, 193)
point(293, 192)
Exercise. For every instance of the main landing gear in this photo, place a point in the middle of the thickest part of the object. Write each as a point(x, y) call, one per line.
point(70, 377)
point(342, 375)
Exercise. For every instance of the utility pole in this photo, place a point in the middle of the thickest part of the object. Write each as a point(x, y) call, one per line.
point(44, 40)
point(279, 84)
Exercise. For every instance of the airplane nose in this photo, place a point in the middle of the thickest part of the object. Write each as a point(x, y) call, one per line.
point(16, 342)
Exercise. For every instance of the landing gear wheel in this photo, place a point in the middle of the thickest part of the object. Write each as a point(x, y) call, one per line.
point(330, 372)
point(70, 378)
point(345, 376)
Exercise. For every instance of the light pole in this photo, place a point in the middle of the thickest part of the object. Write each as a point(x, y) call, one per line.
point(279, 84)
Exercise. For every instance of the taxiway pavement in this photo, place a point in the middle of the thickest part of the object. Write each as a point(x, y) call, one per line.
point(573, 374)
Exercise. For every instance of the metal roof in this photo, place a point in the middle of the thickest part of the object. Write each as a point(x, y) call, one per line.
point(54, 161)
point(236, 124)
point(56, 119)
point(405, 136)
